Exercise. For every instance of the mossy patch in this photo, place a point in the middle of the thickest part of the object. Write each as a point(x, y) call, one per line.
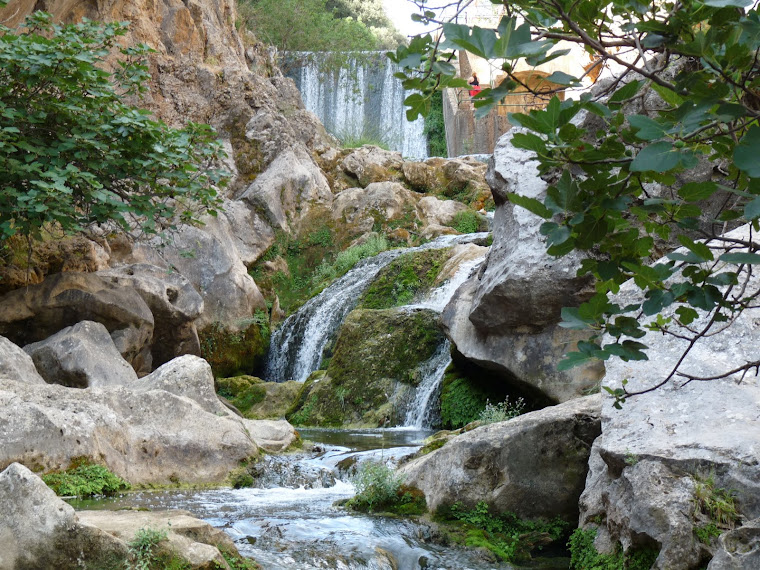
point(405, 279)
point(236, 352)
point(256, 399)
point(374, 369)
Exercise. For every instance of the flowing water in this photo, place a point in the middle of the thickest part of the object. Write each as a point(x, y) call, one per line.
point(361, 100)
point(289, 521)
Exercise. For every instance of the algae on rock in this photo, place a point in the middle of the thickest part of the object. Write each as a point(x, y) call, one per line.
point(373, 371)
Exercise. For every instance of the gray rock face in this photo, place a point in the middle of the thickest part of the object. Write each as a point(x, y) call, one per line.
point(389, 199)
point(534, 465)
point(527, 360)
point(145, 437)
point(81, 356)
point(738, 549)
point(172, 300)
point(688, 430)
point(440, 212)
point(40, 531)
point(370, 164)
point(15, 364)
point(186, 376)
point(522, 287)
point(36, 312)
point(290, 182)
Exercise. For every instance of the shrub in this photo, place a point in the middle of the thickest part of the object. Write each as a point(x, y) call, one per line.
point(467, 222)
point(376, 485)
point(84, 479)
point(584, 556)
point(143, 549)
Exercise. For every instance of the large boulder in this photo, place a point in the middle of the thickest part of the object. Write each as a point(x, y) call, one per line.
point(527, 361)
point(150, 437)
point(534, 465)
point(370, 164)
point(287, 187)
point(15, 364)
point(36, 312)
point(81, 356)
point(40, 531)
point(440, 212)
point(386, 200)
point(670, 445)
point(528, 286)
point(172, 300)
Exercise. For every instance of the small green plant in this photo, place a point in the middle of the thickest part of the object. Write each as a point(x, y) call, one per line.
point(631, 458)
point(705, 533)
point(302, 416)
point(143, 549)
point(376, 485)
point(502, 411)
point(584, 556)
point(718, 505)
point(466, 222)
point(236, 562)
point(84, 479)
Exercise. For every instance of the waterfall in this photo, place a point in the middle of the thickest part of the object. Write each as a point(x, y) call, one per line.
point(363, 99)
point(297, 345)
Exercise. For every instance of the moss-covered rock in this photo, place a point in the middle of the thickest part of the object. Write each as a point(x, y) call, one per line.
point(256, 399)
point(404, 279)
point(373, 371)
point(235, 352)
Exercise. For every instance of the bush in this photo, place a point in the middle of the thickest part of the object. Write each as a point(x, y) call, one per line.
point(143, 549)
point(376, 485)
point(467, 222)
point(84, 479)
point(502, 411)
point(74, 155)
point(584, 556)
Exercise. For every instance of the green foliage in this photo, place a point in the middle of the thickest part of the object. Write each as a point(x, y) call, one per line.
point(243, 392)
point(303, 415)
point(462, 401)
point(700, 61)
point(237, 562)
point(143, 548)
point(73, 154)
point(377, 486)
point(506, 535)
point(706, 532)
point(84, 479)
point(435, 128)
point(404, 279)
point(468, 222)
point(502, 411)
point(715, 503)
point(584, 556)
point(236, 352)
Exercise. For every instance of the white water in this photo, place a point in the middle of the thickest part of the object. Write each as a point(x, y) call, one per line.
point(298, 344)
point(363, 99)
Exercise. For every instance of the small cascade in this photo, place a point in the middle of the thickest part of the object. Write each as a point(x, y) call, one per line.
point(361, 100)
point(421, 414)
point(298, 344)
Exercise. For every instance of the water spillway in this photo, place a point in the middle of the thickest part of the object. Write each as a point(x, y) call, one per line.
point(360, 100)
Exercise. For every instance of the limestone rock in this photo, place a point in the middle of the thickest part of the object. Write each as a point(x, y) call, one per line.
point(272, 435)
point(440, 212)
point(739, 549)
point(526, 360)
point(534, 465)
point(172, 300)
point(39, 530)
point(290, 183)
point(186, 376)
point(191, 539)
point(690, 431)
point(144, 437)
point(15, 364)
point(81, 356)
point(389, 200)
point(36, 312)
point(208, 258)
point(370, 164)
point(522, 288)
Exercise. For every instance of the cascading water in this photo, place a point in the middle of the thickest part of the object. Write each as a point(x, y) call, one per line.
point(363, 99)
point(297, 345)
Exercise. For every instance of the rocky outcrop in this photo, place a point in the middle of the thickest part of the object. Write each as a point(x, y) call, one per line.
point(527, 361)
point(39, 530)
point(738, 549)
point(386, 201)
point(440, 212)
point(17, 365)
point(36, 312)
point(534, 465)
point(506, 319)
point(370, 164)
point(670, 446)
point(81, 356)
point(173, 302)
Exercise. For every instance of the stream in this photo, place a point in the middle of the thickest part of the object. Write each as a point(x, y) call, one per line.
point(288, 520)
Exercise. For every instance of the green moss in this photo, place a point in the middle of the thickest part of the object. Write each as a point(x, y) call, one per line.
point(435, 128)
point(234, 352)
point(469, 222)
point(83, 479)
point(404, 279)
point(584, 556)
